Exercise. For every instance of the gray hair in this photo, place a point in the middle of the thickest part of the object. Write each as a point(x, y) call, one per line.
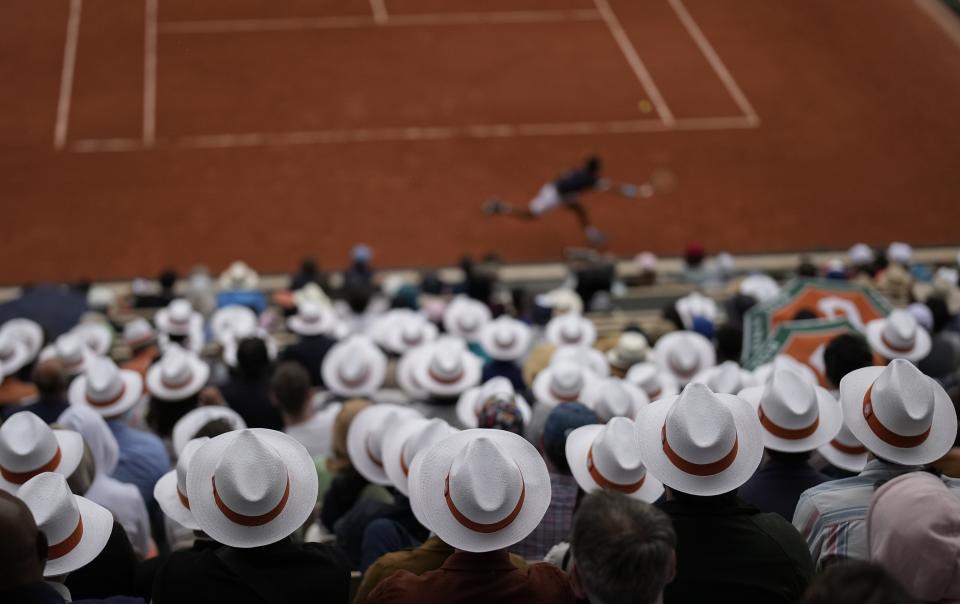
point(622, 548)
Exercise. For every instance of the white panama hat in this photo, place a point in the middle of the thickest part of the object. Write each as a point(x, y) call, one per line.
point(465, 317)
point(179, 319)
point(105, 388)
point(565, 382)
point(77, 529)
point(631, 348)
point(449, 369)
point(406, 376)
point(763, 373)
point(232, 321)
point(901, 252)
point(618, 398)
point(179, 374)
point(251, 487)
point(898, 336)
point(28, 447)
point(312, 319)
point(187, 426)
point(585, 356)
point(699, 442)
point(696, 305)
point(232, 344)
point(726, 378)
point(760, 287)
point(367, 434)
point(239, 276)
point(571, 329)
point(480, 490)
point(171, 490)
point(652, 380)
point(27, 331)
point(402, 445)
point(354, 367)
point(95, 335)
point(14, 354)
point(70, 351)
point(796, 414)
point(609, 457)
point(407, 331)
point(138, 332)
point(506, 338)
point(898, 413)
point(860, 254)
point(471, 402)
point(684, 354)
point(845, 451)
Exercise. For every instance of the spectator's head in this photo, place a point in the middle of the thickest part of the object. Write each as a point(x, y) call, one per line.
point(253, 358)
point(168, 278)
point(855, 582)
point(593, 165)
point(693, 255)
point(290, 389)
point(939, 311)
point(807, 268)
point(23, 549)
point(308, 266)
point(623, 550)
point(50, 378)
point(357, 295)
point(845, 353)
point(729, 343)
point(564, 419)
point(500, 412)
point(214, 427)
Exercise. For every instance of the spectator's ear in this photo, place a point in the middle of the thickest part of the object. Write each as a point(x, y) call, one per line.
point(576, 583)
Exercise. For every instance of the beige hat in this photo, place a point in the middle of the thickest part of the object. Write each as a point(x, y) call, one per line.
point(239, 276)
point(631, 348)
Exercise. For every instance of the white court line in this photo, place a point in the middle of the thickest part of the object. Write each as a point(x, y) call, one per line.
point(419, 133)
point(711, 55)
point(356, 22)
point(630, 54)
point(943, 17)
point(379, 8)
point(66, 76)
point(150, 74)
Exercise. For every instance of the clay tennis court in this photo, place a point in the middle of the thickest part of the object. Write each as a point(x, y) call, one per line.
point(139, 133)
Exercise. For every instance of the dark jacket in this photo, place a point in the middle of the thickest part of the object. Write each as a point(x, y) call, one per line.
point(729, 551)
point(309, 352)
point(777, 485)
point(42, 592)
point(47, 409)
point(351, 527)
point(111, 573)
point(250, 398)
point(308, 572)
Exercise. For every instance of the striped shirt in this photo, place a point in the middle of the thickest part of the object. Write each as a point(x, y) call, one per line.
point(832, 517)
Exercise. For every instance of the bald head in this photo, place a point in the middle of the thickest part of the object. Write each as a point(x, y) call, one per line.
point(23, 549)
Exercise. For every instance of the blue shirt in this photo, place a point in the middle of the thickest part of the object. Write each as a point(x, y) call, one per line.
point(143, 458)
point(46, 409)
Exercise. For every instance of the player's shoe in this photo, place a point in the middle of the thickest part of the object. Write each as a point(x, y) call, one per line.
point(595, 236)
point(494, 206)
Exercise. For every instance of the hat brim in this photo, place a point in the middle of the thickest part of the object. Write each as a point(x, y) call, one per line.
point(467, 404)
point(17, 360)
point(300, 503)
point(516, 351)
point(97, 528)
point(366, 421)
point(405, 378)
point(333, 382)
point(552, 334)
point(844, 461)
point(749, 449)
point(165, 492)
point(132, 393)
point(187, 426)
point(194, 342)
point(198, 379)
point(541, 389)
point(943, 428)
point(468, 379)
point(393, 449)
point(578, 447)
point(162, 321)
point(224, 320)
point(96, 337)
point(830, 421)
point(27, 331)
point(393, 339)
point(702, 346)
point(919, 351)
point(71, 454)
point(428, 477)
point(297, 325)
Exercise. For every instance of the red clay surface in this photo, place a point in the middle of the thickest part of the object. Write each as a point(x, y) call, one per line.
point(327, 129)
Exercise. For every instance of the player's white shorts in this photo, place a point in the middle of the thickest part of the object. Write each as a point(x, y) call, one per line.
point(547, 199)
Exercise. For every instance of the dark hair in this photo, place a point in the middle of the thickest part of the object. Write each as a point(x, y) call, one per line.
point(168, 278)
point(163, 414)
point(729, 343)
point(622, 548)
point(357, 295)
point(253, 360)
point(855, 582)
point(593, 164)
point(846, 353)
point(50, 378)
point(214, 427)
point(806, 268)
point(562, 420)
point(940, 311)
point(290, 386)
point(784, 457)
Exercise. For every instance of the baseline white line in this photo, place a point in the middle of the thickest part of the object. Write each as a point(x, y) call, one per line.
point(714, 60)
point(356, 22)
point(150, 74)
point(379, 8)
point(633, 59)
point(943, 17)
point(418, 133)
point(66, 76)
